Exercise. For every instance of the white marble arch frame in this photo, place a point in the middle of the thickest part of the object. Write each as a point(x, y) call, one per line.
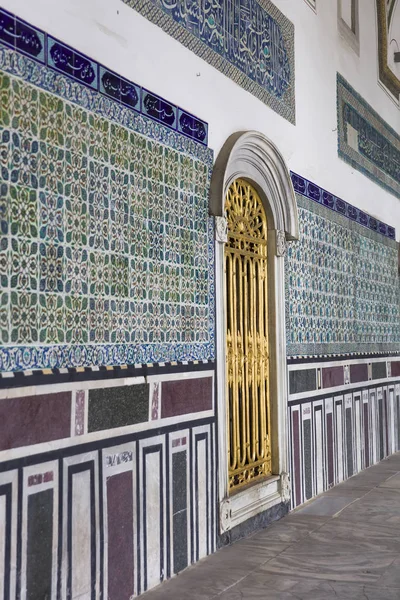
point(252, 156)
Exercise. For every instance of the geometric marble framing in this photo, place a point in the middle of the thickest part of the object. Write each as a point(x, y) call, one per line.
point(106, 512)
point(249, 41)
point(108, 517)
point(107, 251)
point(365, 140)
point(342, 286)
point(337, 433)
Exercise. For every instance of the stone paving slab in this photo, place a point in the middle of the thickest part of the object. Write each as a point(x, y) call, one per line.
point(344, 545)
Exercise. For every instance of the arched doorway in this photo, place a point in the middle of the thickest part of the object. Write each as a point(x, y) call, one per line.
point(247, 349)
point(255, 211)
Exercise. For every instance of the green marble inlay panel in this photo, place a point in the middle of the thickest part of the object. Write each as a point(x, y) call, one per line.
point(342, 287)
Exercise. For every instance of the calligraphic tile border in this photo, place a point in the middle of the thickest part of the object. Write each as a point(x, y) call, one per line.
point(46, 60)
point(287, 110)
point(308, 189)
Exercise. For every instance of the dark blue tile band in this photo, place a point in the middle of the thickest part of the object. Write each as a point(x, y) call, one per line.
point(306, 188)
point(25, 38)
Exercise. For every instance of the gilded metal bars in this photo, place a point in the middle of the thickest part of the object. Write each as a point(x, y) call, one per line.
point(247, 358)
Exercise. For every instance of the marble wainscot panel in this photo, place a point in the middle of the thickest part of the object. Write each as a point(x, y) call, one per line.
point(115, 500)
point(342, 426)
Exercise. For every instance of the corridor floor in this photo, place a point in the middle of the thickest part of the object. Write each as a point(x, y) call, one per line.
point(344, 545)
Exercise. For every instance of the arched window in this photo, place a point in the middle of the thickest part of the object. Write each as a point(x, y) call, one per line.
point(255, 211)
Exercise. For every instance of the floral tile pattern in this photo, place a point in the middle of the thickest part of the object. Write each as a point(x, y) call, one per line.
point(342, 286)
point(106, 253)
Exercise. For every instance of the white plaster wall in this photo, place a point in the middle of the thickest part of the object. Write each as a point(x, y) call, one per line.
point(117, 36)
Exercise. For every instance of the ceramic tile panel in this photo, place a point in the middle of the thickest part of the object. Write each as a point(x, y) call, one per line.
point(250, 42)
point(107, 248)
point(342, 284)
point(365, 140)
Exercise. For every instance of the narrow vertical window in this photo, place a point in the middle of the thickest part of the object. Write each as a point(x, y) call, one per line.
point(248, 403)
point(348, 22)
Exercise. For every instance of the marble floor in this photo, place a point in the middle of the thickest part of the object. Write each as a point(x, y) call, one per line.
point(344, 545)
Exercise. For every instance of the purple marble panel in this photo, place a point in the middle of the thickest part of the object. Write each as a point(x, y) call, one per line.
point(186, 396)
point(396, 368)
point(332, 377)
point(120, 536)
point(358, 373)
point(34, 419)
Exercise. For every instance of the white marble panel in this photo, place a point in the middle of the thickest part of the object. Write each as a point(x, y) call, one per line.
point(153, 513)
point(357, 434)
point(81, 536)
point(339, 443)
point(319, 452)
point(202, 496)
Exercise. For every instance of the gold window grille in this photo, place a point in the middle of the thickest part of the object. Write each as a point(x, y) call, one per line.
point(247, 355)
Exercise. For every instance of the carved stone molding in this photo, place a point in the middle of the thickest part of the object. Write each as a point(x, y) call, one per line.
point(252, 156)
point(225, 515)
point(221, 229)
point(285, 487)
point(281, 244)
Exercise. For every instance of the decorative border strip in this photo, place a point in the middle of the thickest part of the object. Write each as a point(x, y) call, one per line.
point(314, 192)
point(51, 376)
point(43, 48)
point(376, 128)
point(319, 358)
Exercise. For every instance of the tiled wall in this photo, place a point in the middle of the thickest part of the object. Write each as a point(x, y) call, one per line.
point(107, 419)
point(343, 342)
point(344, 416)
point(342, 286)
point(106, 253)
point(102, 490)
